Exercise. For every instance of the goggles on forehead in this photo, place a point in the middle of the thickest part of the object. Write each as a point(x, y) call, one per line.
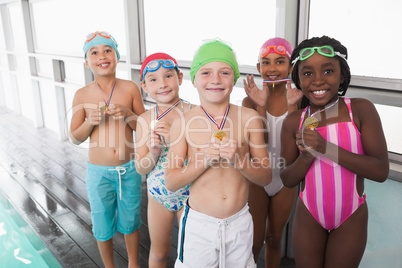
point(327, 51)
point(154, 65)
point(93, 35)
point(279, 49)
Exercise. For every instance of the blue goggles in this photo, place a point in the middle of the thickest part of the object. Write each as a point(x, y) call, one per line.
point(154, 65)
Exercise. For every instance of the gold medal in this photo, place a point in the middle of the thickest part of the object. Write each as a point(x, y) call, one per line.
point(104, 108)
point(153, 123)
point(311, 122)
point(219, 134)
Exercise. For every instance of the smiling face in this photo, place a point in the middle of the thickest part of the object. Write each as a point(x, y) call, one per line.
point(320, 78)
point(214, 82)
point(163, 85)
point(102, 60)
point(274, 67)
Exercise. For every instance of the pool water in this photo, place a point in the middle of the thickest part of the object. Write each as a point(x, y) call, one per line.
point(19, 245)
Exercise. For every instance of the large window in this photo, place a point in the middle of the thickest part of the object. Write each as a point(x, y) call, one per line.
point(367, 28)
point(60, 27)
point(178, 27)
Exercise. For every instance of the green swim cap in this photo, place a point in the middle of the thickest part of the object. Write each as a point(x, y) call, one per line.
point(214, 51)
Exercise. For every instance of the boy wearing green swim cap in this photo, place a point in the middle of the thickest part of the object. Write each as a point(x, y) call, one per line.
point(106, 111)
point(225, 150)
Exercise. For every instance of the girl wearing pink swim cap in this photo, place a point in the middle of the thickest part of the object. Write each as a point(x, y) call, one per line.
point(271, 206)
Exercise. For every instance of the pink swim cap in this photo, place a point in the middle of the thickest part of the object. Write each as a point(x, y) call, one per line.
point(277, 41)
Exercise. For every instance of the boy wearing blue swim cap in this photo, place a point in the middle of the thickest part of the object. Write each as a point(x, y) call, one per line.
point(225, 150)
point(106, 111)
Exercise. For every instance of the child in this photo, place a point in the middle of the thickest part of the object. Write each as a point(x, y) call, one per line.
point(330, 147)
point(106, 112)
point(271, 205)
point(160, 78)
point(224, 146)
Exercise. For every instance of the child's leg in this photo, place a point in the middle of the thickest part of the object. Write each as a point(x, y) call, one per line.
point(106, 252)
point(133, 245)
point(280, 208)
point(346, 244)
point(258, 203)
point(309, 239)
point(160, 224)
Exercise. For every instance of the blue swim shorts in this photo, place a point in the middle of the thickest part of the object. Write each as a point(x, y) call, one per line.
point(114, 194)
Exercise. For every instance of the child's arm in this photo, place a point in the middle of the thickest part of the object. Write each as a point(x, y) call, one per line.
point(177, 175)
point(373, 164)
point(129, 114)
point(256, 99)
point(81, 127)
point(255, 166)
point(147, 147)
point(294, 164)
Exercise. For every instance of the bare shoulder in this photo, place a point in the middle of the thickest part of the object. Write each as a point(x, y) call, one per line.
point(361, 104)
point(129, 85)
point(247, 102)
point(292, 120)
point(84, 94)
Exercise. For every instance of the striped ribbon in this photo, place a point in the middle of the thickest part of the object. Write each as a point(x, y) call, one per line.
point(276, 81)
point(220, 127)
point(158, 117)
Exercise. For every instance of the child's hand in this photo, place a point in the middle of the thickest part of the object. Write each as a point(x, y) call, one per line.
point(211, 153)
point(163, 128)
point(95, 117)
point(259, 97)
point(228, 150)
point(293, 94)
point(154, 143)
point(118, 111)
point(309, 140)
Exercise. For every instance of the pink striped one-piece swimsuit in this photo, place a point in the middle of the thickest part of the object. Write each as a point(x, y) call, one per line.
point(330, 192)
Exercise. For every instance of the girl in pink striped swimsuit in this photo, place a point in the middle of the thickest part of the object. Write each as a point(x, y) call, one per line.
point(329, 147)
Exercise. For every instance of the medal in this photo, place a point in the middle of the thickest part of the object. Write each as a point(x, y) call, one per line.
point(104, 107)
point(218, 133)
point(311, 122)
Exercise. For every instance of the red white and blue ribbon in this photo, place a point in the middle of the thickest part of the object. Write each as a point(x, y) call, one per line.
point(158, 117)
point(276, 81)
point(220, 127)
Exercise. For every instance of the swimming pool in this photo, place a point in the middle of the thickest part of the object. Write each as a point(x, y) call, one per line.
point(19, 245)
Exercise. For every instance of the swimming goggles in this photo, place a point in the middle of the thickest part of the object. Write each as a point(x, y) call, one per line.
point(279, 49)
point(93, 35)
point(154, 65)
point(327, 51)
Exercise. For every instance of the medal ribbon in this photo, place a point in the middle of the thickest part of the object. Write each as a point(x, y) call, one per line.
point(158, 117)
point(276, 81)
point(213, 120)
point(319, 111)
point(111, 93)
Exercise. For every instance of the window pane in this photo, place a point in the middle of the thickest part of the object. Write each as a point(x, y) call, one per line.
point(2, 39)
point(392, 126)
point(181, 30)
point(362, 26)
point(61, 26)
point(17, 28)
